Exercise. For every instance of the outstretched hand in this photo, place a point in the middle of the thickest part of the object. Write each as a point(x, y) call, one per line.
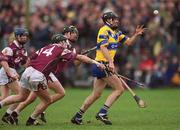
point(140, 30)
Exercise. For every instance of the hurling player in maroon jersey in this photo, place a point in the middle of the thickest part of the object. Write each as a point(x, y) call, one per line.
point(12, 57)
point(51, 58)
point(71, 33)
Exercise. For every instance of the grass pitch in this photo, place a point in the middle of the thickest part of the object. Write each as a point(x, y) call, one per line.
point(162, 113)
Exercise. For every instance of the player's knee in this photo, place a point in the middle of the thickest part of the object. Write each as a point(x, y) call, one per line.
point(48, 100)
point(62, 93)
point(21, 98)
point(119, 92)
point(97, 95)
point(122, 89)
point(31, 100)
point(3, 97)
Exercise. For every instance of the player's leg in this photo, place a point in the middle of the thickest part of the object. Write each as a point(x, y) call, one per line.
point(31, 98)
point(98, 87)
point(58, 89)
point(22, 96)
point(15, 88)
point(15, 99)
point(59, 92)
point(4, 94)
point(118, 89)
point(45, 101)
point(4, 91)
point(3, 84)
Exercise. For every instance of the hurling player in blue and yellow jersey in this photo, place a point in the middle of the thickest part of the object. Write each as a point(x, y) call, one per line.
point(108, 40)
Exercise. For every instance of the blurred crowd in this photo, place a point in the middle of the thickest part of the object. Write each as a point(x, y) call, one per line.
point(154, 59)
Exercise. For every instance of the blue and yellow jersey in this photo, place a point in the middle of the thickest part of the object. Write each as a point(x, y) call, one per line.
point(111, 39)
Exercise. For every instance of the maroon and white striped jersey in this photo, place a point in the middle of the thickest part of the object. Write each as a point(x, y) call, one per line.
point(14, 54)
point(52, 58)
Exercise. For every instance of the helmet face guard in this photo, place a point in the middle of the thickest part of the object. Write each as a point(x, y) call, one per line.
point(61, 40)
point(21, 35)
point(21, 32)
point(56, 38)
point(110, 15)
point(72, 30)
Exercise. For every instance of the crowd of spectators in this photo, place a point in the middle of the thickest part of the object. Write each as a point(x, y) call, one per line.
point(154, 58)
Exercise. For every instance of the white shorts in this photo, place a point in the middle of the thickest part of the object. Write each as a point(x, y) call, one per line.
point(33, 80)
point(3, 76)
point(53, 77)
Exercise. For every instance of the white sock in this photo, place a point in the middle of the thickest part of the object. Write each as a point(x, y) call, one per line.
point(34, 116)
point(1, 104)
point(9, 111)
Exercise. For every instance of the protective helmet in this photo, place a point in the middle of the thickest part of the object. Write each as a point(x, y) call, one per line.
point(56, 38)
point(20, 32)
point(109, 15)
point(71, 29)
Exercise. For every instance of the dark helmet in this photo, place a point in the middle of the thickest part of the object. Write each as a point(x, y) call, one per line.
point(20, 32)
point(71, 29)
point(109, 15)
point(56, 38)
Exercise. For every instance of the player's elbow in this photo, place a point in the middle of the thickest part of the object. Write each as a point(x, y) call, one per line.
point(103, 47)
point(3, 59)
point(128, 43)
point(3, 63)
point(79, 57)
point(77, 62)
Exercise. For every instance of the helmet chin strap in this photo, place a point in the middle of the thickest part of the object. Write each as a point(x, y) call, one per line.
point(72, 41)
point(68, 43)
point(108, 24)
point(22, 43)
point(113, 28)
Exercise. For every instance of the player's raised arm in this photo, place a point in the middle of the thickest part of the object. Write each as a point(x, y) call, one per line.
point(139, 31)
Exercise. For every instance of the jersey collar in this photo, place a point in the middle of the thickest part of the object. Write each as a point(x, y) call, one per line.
point(17, 44)
point(108, 26)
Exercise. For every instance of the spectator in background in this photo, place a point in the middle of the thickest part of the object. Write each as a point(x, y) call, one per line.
point(47, 16)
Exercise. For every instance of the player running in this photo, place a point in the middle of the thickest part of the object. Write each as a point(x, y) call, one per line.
point(71, 33)
point(108, 40)
point(12, 58)
point(51, 58)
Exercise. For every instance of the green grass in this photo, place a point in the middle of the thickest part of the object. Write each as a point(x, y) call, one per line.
point(162, 113)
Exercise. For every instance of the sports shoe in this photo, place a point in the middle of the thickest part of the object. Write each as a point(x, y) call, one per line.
point(31, 121)
point(77, 121)
point(4, 118)
point(8, 119)
point(14, 116)
point(103, 117)
point(42, 117)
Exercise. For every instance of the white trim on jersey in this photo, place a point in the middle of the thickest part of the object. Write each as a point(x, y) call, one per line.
point(26, 54)
point(16, 43)
point(7, 51)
